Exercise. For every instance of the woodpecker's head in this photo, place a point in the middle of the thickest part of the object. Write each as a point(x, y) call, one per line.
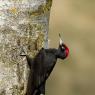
point(63, 50)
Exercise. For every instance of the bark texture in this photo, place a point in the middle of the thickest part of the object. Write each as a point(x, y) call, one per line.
point(23, 25)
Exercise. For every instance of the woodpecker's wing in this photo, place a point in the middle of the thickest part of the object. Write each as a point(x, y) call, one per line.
point(36, 75)
point(38, 68)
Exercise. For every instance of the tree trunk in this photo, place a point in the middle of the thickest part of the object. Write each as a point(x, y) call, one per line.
point(23, 25)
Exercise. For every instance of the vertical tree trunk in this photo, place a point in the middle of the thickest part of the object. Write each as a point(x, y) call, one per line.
point(23, 25)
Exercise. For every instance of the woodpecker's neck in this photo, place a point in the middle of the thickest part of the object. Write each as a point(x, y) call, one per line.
point(52, 50)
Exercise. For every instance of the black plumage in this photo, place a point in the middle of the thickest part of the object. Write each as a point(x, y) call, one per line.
point(41, 67)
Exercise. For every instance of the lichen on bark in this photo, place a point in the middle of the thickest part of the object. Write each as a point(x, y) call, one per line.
point(23, 25)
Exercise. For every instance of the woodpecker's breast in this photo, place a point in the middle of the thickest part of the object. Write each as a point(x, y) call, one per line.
point(50, 62)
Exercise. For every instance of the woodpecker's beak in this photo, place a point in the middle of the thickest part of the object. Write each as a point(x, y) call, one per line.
point(61, 41)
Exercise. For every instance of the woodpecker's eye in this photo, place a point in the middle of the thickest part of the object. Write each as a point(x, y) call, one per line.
point(62, 48)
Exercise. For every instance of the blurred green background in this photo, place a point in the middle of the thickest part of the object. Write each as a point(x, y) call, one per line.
point(75, 20)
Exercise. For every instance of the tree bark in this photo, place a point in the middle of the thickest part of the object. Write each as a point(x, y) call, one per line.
point(23, 25)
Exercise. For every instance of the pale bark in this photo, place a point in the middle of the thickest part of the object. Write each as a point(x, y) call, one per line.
point(23, 25)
